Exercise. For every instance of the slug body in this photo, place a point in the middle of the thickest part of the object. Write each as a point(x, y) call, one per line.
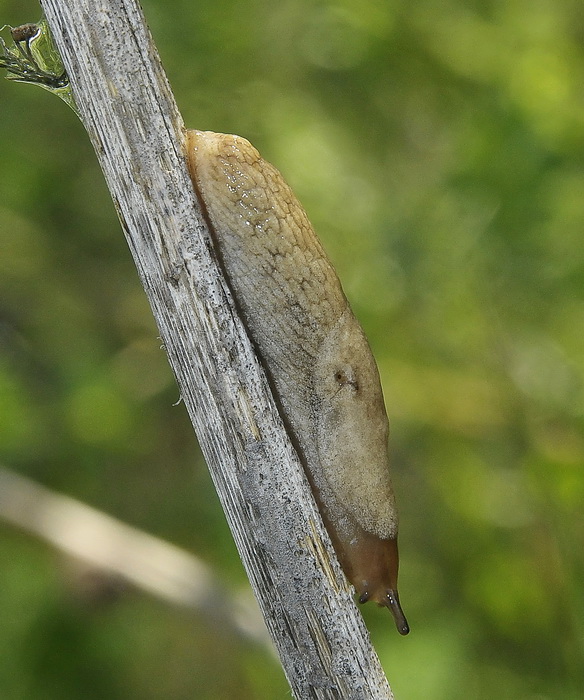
point(314, 351)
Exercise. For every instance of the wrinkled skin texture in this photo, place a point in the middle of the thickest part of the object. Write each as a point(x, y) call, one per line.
point(314, 351)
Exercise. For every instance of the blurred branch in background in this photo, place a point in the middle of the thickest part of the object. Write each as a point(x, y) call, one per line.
point(122, 551)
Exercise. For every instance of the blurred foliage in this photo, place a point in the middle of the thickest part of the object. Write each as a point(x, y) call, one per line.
point(438, 147)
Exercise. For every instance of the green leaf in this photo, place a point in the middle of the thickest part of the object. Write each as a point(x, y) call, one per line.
point(33, 58)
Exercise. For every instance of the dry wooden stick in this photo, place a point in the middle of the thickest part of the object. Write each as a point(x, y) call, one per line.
point(127, 107)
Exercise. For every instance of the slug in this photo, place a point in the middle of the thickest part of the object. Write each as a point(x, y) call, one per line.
point(313, 350)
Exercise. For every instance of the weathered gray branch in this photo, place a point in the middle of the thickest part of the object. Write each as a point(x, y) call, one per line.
point(129, 112)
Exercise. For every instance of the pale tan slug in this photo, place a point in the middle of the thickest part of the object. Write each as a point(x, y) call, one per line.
point(314, 351)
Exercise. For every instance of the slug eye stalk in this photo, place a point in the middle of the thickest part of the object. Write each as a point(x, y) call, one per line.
point(33, 58)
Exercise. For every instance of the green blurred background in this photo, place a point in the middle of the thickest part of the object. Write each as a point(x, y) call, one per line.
point(438, 147)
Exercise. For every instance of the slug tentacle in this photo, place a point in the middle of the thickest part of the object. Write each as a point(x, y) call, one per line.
point(392, 602)
point(314, 350)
